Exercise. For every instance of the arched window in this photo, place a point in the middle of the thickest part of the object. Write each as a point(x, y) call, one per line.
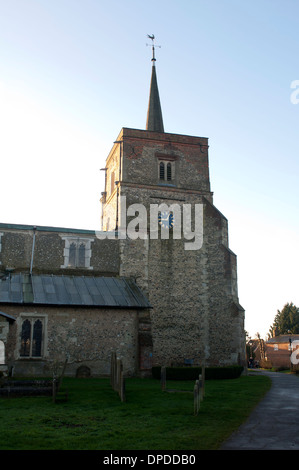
point(25, 338)
point(2, 352)
point(37, 339)
point(162, 171)
point(168, 171)
point(31, 338)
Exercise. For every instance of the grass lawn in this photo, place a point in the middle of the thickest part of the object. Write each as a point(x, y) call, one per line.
point(94, 418)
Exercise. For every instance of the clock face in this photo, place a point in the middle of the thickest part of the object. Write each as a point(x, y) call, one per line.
point(166, 219)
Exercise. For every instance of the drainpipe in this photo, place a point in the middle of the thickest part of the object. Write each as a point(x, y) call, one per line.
point(32, 253)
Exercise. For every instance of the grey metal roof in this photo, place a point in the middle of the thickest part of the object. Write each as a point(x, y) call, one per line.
point(72, 290)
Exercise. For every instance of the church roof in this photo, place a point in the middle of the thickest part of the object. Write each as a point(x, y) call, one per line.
point(46, 289)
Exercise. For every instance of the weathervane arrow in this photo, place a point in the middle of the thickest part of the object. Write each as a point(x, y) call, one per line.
point(152, 37)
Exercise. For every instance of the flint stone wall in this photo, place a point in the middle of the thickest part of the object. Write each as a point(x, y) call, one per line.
point(86, 336)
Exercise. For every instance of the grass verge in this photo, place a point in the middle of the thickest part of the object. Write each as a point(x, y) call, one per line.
point(93, 418)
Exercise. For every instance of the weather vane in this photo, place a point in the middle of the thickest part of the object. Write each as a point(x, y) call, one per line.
point(152, 37)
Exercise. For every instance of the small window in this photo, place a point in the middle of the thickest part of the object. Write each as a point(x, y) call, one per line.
point(166, 171)
point(77, 252)
point(275, 347)
point(77, 255)
point(31, 338)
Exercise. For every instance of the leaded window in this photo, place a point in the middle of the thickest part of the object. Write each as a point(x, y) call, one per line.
point(31, 337)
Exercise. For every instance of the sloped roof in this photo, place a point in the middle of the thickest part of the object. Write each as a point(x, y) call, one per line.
point(71, 290)
point(283, 338)
point(8, 317)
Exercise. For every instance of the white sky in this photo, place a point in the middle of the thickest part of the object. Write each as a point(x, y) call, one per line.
point(74, 72)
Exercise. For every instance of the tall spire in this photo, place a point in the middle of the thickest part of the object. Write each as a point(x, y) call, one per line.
point(154, 120)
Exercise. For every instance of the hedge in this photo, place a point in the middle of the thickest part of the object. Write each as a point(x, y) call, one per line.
point(192, 373)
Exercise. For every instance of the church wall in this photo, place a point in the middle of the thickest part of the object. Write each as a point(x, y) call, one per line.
point(87, 336)
point(49, 251)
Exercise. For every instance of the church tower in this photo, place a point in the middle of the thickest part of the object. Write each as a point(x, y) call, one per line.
point(174, 242)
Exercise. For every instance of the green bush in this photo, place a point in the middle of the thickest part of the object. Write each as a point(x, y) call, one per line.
point(192, 373)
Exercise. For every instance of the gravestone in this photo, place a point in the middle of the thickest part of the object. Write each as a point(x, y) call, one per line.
point(117, 378)
point(83, 372)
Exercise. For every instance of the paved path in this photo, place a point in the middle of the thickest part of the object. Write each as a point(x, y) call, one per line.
point(274, 423)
